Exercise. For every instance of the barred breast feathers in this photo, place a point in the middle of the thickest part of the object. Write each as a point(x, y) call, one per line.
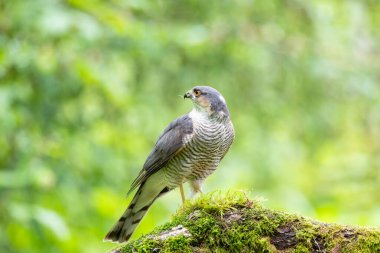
point(203, 149)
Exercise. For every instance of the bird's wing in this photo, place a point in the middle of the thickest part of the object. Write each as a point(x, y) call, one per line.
point(170, 142)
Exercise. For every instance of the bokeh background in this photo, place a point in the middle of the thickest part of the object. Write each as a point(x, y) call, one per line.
point(87, 86)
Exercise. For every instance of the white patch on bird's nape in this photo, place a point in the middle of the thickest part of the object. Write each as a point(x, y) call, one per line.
point(222, 98)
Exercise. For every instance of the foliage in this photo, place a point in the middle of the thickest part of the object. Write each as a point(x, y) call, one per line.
point(87, 86)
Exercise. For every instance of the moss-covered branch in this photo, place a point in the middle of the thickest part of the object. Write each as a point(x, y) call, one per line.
point(234, 223)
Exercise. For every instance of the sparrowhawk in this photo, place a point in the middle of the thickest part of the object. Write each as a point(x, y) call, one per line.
point(188, 150)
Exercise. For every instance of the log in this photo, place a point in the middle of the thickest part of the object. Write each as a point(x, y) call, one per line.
point(232, 222)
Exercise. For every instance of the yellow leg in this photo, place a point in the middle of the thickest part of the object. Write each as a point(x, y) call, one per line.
point(182, 193)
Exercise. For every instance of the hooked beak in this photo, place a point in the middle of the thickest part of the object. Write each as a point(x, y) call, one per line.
point(188, 94)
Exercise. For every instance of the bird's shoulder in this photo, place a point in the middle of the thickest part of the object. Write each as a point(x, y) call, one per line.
point(177, 129)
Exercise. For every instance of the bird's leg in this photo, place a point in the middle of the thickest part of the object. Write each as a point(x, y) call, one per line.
point(196, 186)
point(182, 193)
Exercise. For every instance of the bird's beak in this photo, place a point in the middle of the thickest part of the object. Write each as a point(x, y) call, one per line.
point(188, 94)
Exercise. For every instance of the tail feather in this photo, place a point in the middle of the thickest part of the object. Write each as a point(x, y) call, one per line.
point(140, 204)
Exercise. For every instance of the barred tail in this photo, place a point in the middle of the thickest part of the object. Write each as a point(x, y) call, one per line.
point(143, 199)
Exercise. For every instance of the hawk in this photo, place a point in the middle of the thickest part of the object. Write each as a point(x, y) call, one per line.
point(188, 150)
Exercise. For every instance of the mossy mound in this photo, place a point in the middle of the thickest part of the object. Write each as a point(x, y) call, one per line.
point(233, 223)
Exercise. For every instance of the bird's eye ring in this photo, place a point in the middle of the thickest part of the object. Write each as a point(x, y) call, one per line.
point(197, 93)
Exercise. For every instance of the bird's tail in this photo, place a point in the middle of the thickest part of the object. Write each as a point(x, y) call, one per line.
point(126, 225)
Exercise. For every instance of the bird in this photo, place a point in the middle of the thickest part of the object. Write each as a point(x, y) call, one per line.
point(188, 150)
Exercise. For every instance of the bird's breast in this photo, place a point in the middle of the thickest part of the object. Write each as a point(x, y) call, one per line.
point(209, 143)
point(202, 152)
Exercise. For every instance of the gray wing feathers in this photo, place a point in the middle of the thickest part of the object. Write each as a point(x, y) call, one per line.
point(170, 142)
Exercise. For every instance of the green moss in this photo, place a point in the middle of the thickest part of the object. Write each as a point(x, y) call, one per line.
point(233, 223)
point(366, 242)
point(143, 245)
point(177, 244)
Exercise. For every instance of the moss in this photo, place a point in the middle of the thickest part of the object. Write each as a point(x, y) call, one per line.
point(231, 222)
point(366, 242)
point(177, 244)
point(143, 245)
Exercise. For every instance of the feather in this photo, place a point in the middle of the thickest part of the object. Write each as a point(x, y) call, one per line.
point(170, 142)
point(147, 193)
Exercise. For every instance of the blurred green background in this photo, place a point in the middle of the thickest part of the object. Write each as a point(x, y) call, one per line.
point(86, 87)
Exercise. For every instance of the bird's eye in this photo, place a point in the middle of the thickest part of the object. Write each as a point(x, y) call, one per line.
point(197, 93)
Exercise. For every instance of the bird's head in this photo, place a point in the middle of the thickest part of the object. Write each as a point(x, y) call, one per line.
point(207, 99)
